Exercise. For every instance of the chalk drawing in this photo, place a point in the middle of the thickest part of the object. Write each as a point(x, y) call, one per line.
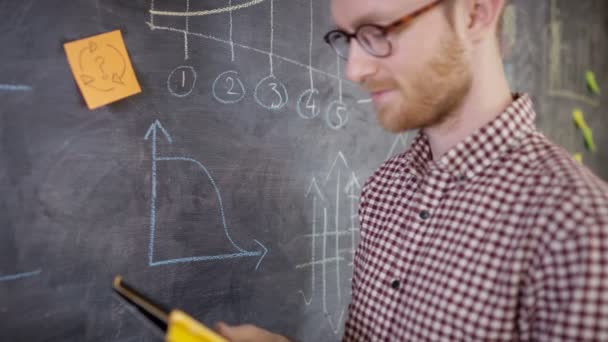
point(228, 88)
point(151, 134)
point(181, 81)
point(19, 275)
point(567, 62)
point(14, 87)
point(331, 254)
point(243, 46)
point(230, 8)
point(308, 104)
point(364, 101)
point(336, 115)
point(186, 51)
point(270, 93)
point(399, 145)
point(310, 41)
point(231, 29)
point(271, 52)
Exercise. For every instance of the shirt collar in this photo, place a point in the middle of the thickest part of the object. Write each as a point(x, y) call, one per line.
point(480, 149)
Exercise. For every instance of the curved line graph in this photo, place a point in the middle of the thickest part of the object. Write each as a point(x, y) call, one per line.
point(207, 12)
point(217, 193)
point(152, 134)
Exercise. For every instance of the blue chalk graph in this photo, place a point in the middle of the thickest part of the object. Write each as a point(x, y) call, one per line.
point(152, 134)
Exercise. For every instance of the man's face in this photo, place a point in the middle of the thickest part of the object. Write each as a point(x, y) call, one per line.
point(428, 73)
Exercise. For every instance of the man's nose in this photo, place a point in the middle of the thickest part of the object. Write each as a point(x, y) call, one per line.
point(360, 64)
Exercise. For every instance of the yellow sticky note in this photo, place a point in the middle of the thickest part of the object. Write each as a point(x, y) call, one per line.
point(102, 68)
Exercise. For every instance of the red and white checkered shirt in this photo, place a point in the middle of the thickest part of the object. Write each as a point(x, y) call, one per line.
point(505, 238)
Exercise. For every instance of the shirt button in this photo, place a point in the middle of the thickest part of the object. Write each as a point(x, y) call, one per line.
point(424, 215)
point(395, 284)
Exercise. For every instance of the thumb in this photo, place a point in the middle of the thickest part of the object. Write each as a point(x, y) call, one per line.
point(226, 331)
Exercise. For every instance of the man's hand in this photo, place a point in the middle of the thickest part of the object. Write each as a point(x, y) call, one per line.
point(247, 333)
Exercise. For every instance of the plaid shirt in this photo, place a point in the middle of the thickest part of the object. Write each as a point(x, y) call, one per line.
point(505, 238)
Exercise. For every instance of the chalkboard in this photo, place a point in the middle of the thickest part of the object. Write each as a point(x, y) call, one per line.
point(228, 187)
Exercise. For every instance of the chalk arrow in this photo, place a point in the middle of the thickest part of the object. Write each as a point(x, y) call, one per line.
point(340, 159)
point(153, 129)
point(314, 187)
point(263, 252)
point(353, 185)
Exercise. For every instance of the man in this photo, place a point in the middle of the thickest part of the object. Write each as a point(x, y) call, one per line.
point(483, 230)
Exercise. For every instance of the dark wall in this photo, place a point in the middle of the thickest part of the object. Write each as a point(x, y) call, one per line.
point(230, 209)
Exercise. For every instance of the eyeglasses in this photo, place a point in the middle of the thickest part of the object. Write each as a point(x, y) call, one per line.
point(373, 38)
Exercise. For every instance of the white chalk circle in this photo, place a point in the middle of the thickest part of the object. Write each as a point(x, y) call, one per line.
point(336, 115)
point(181, 81)
point(309, 104)
point(228, 88)
point(271, 94)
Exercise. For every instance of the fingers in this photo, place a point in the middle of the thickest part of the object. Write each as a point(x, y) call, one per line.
point(241, 333)
point(246, 333)
point(226, 331)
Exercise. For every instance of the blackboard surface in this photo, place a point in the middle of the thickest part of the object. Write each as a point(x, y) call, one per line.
point(228, 187)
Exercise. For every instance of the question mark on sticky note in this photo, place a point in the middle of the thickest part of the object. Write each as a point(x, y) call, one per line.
point(100, 61)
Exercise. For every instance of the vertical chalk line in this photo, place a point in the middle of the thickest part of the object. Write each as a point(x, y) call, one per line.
point(337, 241)
point(231, 30)
point(312, 84)
point(339, 75)
point(186, 52)
point(323, 265)
point(153, 201)
point(271, 52)
point(152, 13)
point(352, 220)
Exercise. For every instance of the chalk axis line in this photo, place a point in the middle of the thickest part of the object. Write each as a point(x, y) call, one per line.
point(152, 134)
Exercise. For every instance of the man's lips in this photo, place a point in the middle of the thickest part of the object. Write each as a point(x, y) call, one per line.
point(380, 94)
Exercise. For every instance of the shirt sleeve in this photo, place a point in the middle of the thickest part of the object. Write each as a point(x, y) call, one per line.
point(569, 280)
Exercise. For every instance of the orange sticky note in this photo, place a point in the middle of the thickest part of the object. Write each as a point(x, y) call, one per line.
point(102, 68)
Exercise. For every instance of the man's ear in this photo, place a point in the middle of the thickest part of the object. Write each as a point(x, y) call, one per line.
point(483, 17)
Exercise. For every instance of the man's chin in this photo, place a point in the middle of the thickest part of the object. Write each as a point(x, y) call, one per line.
point(393, 122)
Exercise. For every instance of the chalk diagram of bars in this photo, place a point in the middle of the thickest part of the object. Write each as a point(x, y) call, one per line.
point(328, 259)
point(329, 195)
point(228, 88)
